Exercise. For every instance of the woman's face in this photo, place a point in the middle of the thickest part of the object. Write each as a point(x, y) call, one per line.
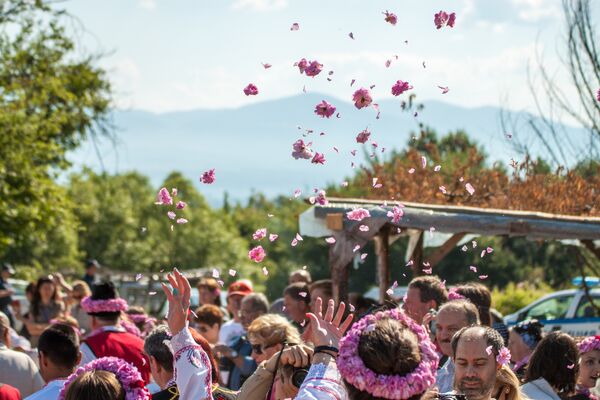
point(210, 333)
point(206, 296)
point(295, 309)
point(262, 351)
point(47, 291)
point(589, 369)
point(518, 349)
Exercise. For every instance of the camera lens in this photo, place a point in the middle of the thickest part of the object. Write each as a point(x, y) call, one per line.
point(298, 377)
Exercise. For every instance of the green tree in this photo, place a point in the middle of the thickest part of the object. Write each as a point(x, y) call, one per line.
point(51, 99)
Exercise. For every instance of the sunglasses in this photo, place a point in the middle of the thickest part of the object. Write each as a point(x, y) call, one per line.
point(260, 349)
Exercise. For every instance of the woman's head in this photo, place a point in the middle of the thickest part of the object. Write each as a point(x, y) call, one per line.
point(95, 385)
point(209, 291)
point(589, 361)
point(556, 360)
point(45, 292)
point(387, 354)
point(209, 319)
point(80, 290)
point(523, 338)
point(507, 385)
point(268, 333)
point(479, 295)
point(296, 298)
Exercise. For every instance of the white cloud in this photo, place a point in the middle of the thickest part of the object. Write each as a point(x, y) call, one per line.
point(535, 10)
point(147, 4)
point(259, 5)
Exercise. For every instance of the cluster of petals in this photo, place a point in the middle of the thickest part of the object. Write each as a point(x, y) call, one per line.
point(257, 254)
point(251, 90)
point(208, 177)
point(320, 198)
point(390, 17)
point(400, 87)
point(301, 150)
point(396, 214)
point(358, 214)
point(442, 19)
point(325, 109)
point(163, 197)
point(259, 234)
point(588, 344)
point(363, 136)
point(319, 158)
point(362, 98)
point(310, 68)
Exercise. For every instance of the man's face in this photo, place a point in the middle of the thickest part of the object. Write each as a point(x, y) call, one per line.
point(248, 314)
point(234, 303)
point(296, 309)
point(474, 369)
point(91, 270)
point(318, 292)
point(210, 333)
point(447, 323)
point(415, 308)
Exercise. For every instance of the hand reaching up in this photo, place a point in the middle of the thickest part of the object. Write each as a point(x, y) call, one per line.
point(179, 301)
point(328, 330)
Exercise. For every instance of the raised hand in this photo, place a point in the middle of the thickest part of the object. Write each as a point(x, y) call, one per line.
point(179, 301)
point(328, 330)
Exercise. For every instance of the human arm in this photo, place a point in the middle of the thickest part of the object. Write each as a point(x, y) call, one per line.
point(192, 366)
point(245, 364)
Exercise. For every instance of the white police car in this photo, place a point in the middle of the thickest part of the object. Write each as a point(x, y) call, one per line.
point(569, 311)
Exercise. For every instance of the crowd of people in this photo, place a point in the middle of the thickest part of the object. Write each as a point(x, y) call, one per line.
point(82, 341)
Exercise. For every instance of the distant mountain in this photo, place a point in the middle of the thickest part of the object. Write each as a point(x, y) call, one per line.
point(250, 147)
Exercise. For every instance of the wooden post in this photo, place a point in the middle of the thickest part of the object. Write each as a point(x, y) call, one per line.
point(382, 249)
point(417, 257)
point(339, 274)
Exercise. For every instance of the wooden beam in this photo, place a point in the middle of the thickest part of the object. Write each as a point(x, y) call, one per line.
point(441, 252)
point(335, 221)
point(382, 250)
point(417, 256)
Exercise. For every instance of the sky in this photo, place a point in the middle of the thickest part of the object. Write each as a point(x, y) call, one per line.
point(168, 55)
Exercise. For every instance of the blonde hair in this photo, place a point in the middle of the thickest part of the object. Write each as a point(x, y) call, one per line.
point(83, 285)
point(272, 329)
point(507, 385)
point(95, 385)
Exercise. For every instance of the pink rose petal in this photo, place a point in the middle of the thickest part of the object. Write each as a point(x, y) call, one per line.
point(251, 90)
point(273, 237)
point(257, 254)
point(330, 240)
point(295, 26)
point(208, 177)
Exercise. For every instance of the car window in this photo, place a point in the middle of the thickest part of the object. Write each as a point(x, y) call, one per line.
point(587, 309)
point(552, 308)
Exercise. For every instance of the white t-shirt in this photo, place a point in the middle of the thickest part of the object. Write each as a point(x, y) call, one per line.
point(230, 331)
point(48, 392)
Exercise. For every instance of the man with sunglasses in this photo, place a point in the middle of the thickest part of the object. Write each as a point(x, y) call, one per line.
point(236, 358)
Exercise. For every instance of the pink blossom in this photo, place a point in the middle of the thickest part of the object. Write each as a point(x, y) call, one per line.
point(396, 214)
point(321, 199)
point(208, 177)
point(598, 95)
point(503, 357)
point(259, 234)
point(301, 150)
point(473, 268)
point(273, 237)
point(443, 189)
point(363, 256)
point(180, 205)
point(330, 240)
point(319, 158)
point(313, 69)
point(451, 20)
point(295, 26)
point(302, 64)
point(489, 350)
point(324, 109)
point(257, 254)
point(390, 17)
point(181, 221)
point(400, 87)
point(171, 215)
point(445, 89)
point(440, 19)
point(423, 162)
point(358, 214)
point(411, 171)
point(363, 136)
point(482, 277)
point(251, 90)
point(469, 188)
point(489, 250)
point(362, 98)
point(363, 228)
point(163, 197)
point(437, 168)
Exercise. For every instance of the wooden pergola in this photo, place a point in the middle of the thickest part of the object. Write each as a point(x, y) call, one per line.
point(456, 222)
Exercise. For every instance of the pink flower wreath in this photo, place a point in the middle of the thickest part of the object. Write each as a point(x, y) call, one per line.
point(92, 306)
point(354, 371)
point(127, 374)
point(588, 344)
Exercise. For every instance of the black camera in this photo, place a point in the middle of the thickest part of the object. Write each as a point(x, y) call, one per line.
point(298, 376)
point(451, 396)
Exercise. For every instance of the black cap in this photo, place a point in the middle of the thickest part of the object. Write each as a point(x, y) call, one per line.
point(91, 263)
point(8, 267)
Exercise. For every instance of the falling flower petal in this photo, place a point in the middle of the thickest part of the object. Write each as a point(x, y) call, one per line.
point(303, 294)
point(363, 256)
point(251, 90)
point(180, 205)
point(171, 215)
point(473, 268)
point(489, 350)
point(330, 240)
point(427, 271)
point(259, 234)
point(571, 366)
point(388, 63)
point(232, 272)
point(358, 214)
point(423, 162)
point(266, 65)
point(257, 254)
point(352, 308)
point(313, 69)
point(215, 273)
point(295, 26)
point(437, 168)
point(390, 17)
point(273, 237)
point(409, 263)
point(138, 277)
point(357, 247)
point(265, 271)
point(294, 242)
point(400, 87)
point(362, 98)
point(482, 253)
point(298, 237)
point(301, 150)
point(489, 250)
point(181, 221)
point(445, 89)
point(443, 189)
point(482, 277)
point(442, 19)
point(324, 109)
point(208, 177)
point(411, 171)
point(396, 214)
point(363, 136)
point(297, 193)
point(319, 158)
point(351, 35)
point(163, 197)
point(464, 248)
point(363, 228)
point(469, 188)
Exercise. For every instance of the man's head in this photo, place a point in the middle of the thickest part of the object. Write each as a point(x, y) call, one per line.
point(4, 329)
point(104, 291)
point(296, 298)
point(91, 267)
point(474, 350)
point(209, 319)
point(479, 295)
point(253, 306)
point(424, 293)
point(235, 294)
point(451, 317)
point(300, 275)
point(58, 351)
point(322, 289)
point(160, 356)
point(6, 271)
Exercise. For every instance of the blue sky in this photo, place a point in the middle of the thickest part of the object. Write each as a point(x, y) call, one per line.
point(166, 55)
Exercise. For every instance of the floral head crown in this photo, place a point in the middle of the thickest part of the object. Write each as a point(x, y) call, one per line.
point(127, 374)
point(92, 306)
point(356, 373)
point(588, 344)
point(454, 295)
